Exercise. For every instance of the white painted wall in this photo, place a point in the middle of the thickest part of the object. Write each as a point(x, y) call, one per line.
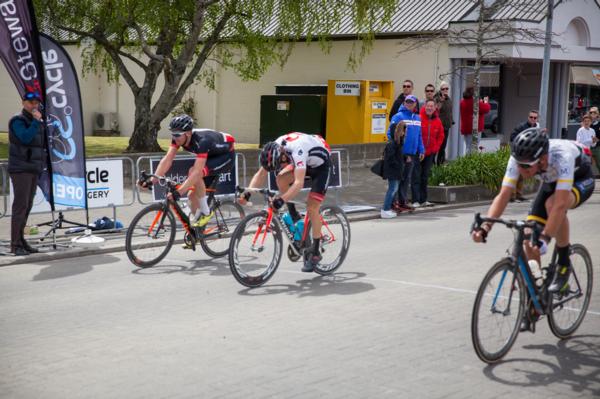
point(235, 106)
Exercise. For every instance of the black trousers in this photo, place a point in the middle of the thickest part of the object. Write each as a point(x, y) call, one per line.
point(24, 186)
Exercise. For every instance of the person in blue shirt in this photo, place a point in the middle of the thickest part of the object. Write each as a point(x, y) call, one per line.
point(413, 148)
point(25, 163)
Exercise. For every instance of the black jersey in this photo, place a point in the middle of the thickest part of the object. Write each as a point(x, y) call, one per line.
point(206, 142)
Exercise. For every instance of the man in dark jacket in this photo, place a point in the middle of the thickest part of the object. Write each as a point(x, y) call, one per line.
point(444, 103)
point(25, 163)
point(407, 89)
point(532, 121)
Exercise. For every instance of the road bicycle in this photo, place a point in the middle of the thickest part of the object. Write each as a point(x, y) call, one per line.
point(510, 293)
point(256, 245)
point(151, 233)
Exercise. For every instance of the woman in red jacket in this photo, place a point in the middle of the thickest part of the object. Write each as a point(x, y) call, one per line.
point(432, 132)
point(466, 116)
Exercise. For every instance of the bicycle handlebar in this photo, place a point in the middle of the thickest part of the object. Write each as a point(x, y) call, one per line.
point(264, 191)
point(145, 177)
point(511, 224)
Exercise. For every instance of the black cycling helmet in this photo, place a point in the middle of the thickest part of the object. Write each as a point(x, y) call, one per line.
point(270, 157)
point(181, 124)
point(530, 145)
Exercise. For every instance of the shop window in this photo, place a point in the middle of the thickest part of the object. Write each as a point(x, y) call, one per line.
point(584, 91)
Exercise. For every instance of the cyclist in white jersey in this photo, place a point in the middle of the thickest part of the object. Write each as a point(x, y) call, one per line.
point(564, 167)
point(293, 157)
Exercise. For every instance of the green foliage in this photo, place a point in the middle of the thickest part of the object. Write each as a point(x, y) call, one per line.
point(486, 169)
point(179, 42)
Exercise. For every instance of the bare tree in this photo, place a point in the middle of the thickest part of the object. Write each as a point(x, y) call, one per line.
point(487, 32)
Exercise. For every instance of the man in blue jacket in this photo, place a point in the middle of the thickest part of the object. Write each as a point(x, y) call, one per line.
point(25, 163)
point(413, 146)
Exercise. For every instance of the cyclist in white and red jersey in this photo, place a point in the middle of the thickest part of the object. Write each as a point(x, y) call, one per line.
point(564, 167)
point(293, 157)
point(214, 154)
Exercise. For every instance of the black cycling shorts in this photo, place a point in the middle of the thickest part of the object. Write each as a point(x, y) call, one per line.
point(583, 187)
point(217, 164)
point(319, 180)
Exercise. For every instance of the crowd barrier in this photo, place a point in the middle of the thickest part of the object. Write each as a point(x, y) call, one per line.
point(111, 182)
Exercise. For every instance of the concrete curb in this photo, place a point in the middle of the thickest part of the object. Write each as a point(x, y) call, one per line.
point(108, 248)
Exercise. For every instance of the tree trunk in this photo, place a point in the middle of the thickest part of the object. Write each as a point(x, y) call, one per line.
point(145, 131)
point(476, 78)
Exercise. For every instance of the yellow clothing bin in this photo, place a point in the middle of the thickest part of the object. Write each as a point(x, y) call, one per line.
point(357, 111)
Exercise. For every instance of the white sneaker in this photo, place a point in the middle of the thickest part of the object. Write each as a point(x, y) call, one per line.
point(388, 214)
point(416, 205)
point(427, 203)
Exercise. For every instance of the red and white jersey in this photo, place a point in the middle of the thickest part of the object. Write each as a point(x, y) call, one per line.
point(305, 150)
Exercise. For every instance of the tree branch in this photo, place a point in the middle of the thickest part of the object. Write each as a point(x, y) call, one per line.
point(144, 44)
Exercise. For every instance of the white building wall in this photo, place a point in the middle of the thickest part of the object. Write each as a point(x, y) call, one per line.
point(235, 106)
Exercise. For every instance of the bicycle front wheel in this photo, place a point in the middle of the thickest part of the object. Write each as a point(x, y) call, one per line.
point(150, 235)
point(255, 250)
point(497, 312)
point(335, 239)
point(567, 308)
point(215, 237)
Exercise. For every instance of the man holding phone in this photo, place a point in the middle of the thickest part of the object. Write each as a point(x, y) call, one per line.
point(25, 163)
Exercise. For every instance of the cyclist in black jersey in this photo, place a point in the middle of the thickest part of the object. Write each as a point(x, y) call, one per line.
point(214, 154)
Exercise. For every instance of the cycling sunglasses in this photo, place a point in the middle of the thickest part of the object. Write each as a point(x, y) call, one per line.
point(32, 96)
point(527, 165)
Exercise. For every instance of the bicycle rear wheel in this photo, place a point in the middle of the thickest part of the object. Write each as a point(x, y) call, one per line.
point(255, 250)
point(497, 312)
point(215, 237)
point(335, 239)
point(150, 235)
point(567, 309)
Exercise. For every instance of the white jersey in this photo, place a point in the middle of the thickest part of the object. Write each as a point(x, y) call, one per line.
point(564, 158)
point(305, 150)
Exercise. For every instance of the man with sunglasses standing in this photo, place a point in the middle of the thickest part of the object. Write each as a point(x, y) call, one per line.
point(25, 163)
point(564, 167)
point(532, 121)
point(444, 104)
point(215, 154)
point(407, 89)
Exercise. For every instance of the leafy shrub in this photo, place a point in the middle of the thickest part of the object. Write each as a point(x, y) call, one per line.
point(486, 169)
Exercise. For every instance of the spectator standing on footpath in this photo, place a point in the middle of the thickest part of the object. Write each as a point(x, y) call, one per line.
point(393, 164)
point(407, 89)
point(586, 135)
point(429, 94)
point(444, 105)
point(25, 163)
point(466, 117)
point(413, 147)
point(432, 134)
point(596, 126)
point(532, 121)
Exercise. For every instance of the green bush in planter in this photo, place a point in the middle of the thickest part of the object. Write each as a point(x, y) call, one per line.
point(486, 169)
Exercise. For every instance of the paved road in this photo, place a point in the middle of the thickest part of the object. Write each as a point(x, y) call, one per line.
point(394, 322)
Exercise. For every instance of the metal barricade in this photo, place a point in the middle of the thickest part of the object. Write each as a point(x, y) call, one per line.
point(99, 172)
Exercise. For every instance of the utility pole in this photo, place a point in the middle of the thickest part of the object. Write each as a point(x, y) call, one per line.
point(546, 67)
